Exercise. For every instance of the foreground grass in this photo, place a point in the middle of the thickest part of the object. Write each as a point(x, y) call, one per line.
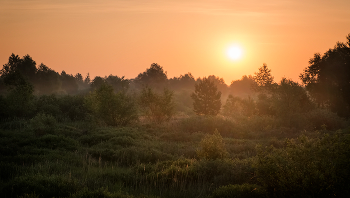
point(81, 160)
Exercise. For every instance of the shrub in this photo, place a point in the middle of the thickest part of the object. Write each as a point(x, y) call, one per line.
point(320, 118)
point(212, 147)
point(42, 124)
point(306, 167)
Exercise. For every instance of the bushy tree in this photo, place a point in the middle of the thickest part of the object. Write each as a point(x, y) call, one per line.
point(236, 106)
point(242, 87)
point(289, 98)
point(157, 107)
point(16, 66)
point(69, 84)
point(47, 80)
point(114, 109)
point(212, 147)
point(154, 77)
point(263, 80)
point(206, 98)
point(118, 83)
point(185, 81)
point(327, 78)
point(20, 100)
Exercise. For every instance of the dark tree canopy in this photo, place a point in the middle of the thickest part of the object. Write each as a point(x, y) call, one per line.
point(16, 66)
point(153, 77)
point(47, 80)
point(206, 98)
point(185, 81)
point(327, 78)
point(69, 83)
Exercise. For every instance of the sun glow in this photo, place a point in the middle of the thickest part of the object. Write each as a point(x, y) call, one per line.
point(234, 52)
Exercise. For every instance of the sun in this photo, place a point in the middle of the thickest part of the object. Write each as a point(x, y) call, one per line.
point(234, 52)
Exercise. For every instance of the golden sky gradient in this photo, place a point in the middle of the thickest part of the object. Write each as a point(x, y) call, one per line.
point(124, 37)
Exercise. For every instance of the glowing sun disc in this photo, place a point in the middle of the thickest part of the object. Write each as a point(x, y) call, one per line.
point(234, 53)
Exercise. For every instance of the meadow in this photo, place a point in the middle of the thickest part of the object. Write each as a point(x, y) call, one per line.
point(48, 157)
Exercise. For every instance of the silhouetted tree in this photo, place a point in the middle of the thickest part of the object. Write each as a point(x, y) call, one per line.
point(242, 87)
point(186, 81)
point(219, 83)
point(87, 80)
point(289, 98)
point(47, 80)
point(327, 78)
point(69, 83)
point(154, 77)
point(118, 84)
point(206, 98)
point(97, 82)
point(263, 80)
point(16, 67)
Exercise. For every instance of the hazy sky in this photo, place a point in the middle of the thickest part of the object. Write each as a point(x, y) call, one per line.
point(124, 37)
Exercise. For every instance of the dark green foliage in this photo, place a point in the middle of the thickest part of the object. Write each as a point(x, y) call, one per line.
point(20, 100)
point(42, 185)
point(43, 124)
point(327, 78)
point(18, 68)
point(47, 81)
point(69, 84)
point(290, 98)
point(158, 108)
point(153, 77)
point(306, 167)
point(115, 109)
point(206, 98)
point(239, 191)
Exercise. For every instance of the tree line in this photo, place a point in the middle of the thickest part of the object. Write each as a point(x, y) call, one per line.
point(27, 89)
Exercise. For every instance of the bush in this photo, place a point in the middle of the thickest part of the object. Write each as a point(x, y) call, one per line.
point(212, 147)
point(306, 167)
point(42, 124)
point(320, 119)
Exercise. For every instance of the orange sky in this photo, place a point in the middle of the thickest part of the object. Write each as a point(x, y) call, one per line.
point(124, 37)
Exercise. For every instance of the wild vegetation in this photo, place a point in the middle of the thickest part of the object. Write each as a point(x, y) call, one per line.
point(65, 136)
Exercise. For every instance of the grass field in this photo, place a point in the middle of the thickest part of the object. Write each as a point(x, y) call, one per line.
point(83, 159)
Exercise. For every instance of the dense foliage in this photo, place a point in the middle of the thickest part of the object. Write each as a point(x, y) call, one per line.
point(206, 98)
